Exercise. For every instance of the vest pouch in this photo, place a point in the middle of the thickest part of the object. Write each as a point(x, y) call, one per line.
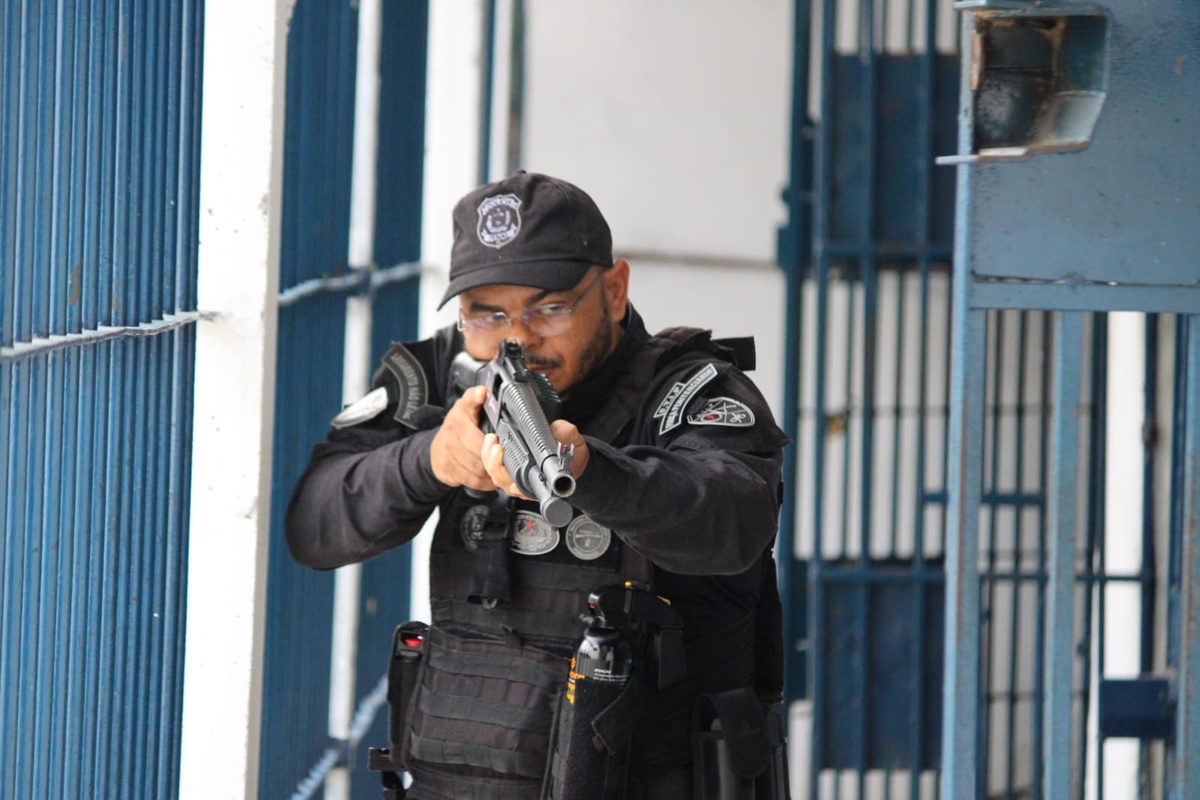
point(408, 645)
point(484, 707)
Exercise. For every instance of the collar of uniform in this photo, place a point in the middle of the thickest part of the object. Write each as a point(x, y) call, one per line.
point(588, 395)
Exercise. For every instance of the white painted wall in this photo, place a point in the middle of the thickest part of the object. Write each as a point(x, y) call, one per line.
point(674, 116)
point(241, 162)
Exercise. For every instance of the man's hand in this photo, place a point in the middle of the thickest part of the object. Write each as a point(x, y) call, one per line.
point(456, 447)
point(491, 455)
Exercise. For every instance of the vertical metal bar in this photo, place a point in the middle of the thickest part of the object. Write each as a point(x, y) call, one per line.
point(960, 717)
point(516, 86)
point(924, 224)
point(1040, 637)
point(1095, 568)
point(822, 183)
point(791, 587)
point(486, 79)
point(869, 277)
point(1061, 531)
point(992, 420)
point(1187, 738)
point(1149, 579)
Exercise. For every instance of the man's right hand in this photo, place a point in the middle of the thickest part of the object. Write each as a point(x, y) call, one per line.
point(456, 446)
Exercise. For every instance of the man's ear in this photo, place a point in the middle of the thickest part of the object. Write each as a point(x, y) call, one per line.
point(616, 288)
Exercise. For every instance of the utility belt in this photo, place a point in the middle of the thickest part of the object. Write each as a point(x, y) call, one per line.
point(480, 717)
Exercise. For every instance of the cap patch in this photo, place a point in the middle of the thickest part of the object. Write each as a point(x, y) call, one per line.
point(723, 411)
point(369, 406)
point(670, 410)
point(499, 220)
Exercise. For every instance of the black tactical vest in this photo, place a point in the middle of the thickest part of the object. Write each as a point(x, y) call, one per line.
point(479, 724)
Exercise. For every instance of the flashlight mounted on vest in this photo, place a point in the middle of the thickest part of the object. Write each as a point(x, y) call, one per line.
point(518, 405)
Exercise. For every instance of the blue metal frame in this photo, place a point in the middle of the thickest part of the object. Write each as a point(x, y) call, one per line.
point(318, 130)
point(98, 194)
point(1113, 265)
point(315, 280)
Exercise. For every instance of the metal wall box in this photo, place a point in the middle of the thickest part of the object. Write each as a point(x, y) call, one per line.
point(1098, 209)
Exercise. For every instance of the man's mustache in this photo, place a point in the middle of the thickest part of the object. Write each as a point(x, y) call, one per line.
point(543, 363)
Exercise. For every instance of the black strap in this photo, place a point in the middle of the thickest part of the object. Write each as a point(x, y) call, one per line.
point(743, 726)
point(490, 581)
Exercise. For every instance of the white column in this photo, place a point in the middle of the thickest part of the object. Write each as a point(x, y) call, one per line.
point(356, 367)
point(451, 156)
point(240, 186)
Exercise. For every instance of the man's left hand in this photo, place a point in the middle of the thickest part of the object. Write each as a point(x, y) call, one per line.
point(492, 455)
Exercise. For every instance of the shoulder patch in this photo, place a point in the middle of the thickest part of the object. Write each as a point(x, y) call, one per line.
point(670, 410)
point(413, 386)
point(367, 407)
point(723, 411)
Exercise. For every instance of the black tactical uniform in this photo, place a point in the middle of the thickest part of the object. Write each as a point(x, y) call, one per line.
point(681, 493)
point(684, 472)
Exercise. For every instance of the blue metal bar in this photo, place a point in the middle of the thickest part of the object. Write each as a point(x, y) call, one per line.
point(1061, 533)
point(868, 271)
point(1017, 549)
point(1149, 572)
point(791, 589)
point(1186, 756)
point(961, 692)
point(991, 430)
point(822, 186)
point(486, 85)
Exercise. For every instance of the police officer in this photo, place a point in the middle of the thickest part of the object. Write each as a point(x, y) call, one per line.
point(677, 462)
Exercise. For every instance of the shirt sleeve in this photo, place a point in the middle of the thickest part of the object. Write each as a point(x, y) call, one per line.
point(364, 492)
point(699, 494)
point(370, 486)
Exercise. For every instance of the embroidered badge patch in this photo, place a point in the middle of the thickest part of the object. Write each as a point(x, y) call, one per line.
point(471, 527)
point(499, 220)
point(587, 539)
point(412, 383)
point(670, 410)
point(723, 411)
point(532, 535)
point(367, 407)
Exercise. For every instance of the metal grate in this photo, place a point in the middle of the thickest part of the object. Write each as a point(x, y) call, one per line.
point(98, 164)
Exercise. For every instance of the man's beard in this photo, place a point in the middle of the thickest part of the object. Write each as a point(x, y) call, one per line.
point(597, 349)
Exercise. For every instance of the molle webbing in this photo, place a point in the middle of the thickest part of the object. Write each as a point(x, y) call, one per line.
point(486, 704)
point(433, 785)
point(524, 624)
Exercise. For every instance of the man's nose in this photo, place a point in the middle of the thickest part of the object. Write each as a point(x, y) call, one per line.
point(520, 331)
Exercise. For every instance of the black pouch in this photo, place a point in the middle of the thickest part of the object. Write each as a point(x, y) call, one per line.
point(408, 645)
point(408, 648)
point(485, 703)
point(731, 745)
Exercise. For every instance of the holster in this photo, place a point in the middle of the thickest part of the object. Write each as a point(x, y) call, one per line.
point(738, 748)
point(408, 648)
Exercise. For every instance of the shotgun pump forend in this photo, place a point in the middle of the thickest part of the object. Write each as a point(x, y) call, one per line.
point(517, 408)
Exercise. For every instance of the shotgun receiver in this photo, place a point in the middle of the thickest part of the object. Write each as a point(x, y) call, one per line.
point(518, 404)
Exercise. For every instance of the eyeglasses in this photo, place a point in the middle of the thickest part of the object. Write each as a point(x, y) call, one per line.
point(548, 319)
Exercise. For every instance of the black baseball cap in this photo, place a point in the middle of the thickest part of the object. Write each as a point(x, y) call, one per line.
point(526, 230)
